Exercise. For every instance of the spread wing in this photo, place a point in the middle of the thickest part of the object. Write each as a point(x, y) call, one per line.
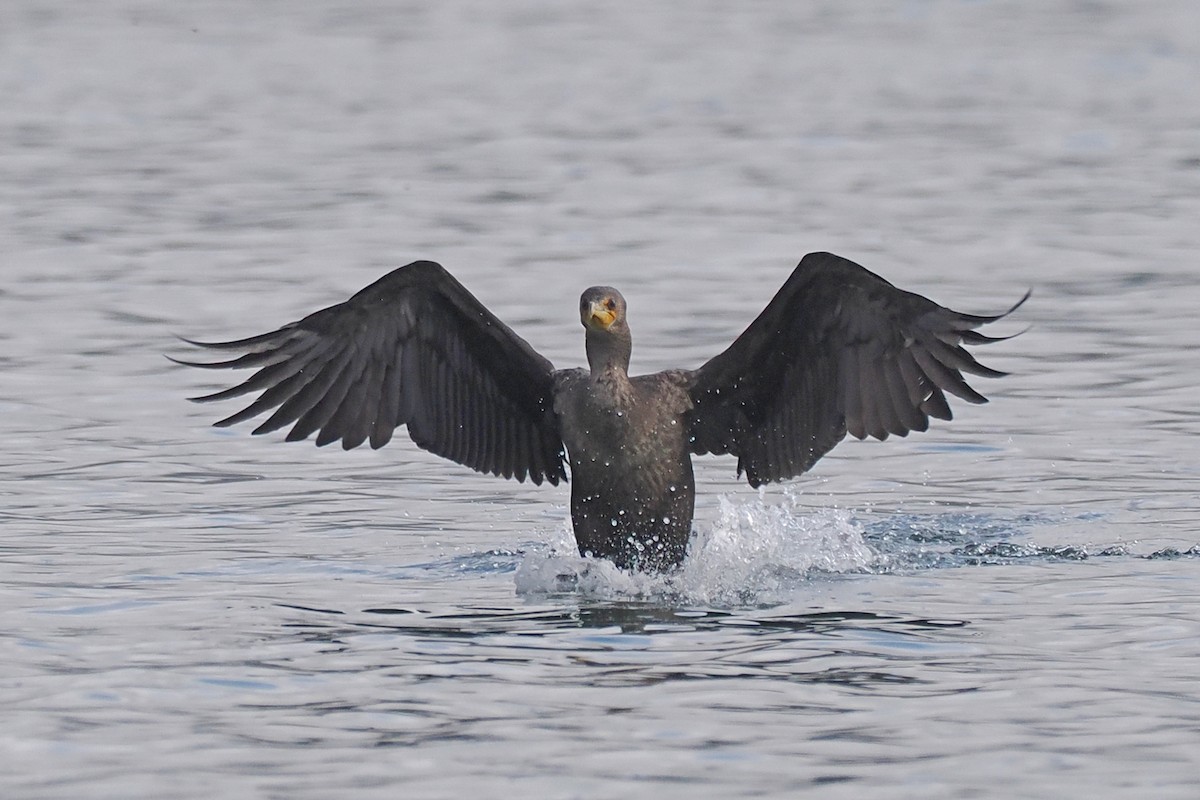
point(414, 348)
point(837, 350)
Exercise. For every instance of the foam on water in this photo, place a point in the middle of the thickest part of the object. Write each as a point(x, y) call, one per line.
point(757, 551)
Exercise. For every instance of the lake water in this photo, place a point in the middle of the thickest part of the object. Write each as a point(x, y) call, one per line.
point(1005, 606)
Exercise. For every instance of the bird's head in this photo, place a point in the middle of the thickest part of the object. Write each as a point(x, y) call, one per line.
point(601, 308)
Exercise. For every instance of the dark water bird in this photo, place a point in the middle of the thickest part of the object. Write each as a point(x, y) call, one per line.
point(838, 350)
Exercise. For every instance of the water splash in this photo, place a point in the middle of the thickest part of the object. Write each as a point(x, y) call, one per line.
point(763, 550)
point(755, 552)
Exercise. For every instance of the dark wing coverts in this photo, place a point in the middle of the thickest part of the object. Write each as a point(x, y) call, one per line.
point(837, 350)
point(414, 348)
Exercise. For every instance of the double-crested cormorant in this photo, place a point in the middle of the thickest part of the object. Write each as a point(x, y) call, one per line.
point(837, 350)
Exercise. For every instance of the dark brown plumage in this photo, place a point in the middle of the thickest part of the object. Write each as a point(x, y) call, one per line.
point(838, 350)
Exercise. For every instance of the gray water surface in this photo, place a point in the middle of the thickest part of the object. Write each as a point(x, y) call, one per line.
point(1005, 606)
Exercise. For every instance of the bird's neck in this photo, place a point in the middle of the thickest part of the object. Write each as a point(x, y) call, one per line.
point(608, 354)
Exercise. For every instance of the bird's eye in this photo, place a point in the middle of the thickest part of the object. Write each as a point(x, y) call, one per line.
point(610, 304)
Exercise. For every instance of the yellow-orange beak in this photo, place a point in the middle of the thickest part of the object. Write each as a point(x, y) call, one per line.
point(597, 316)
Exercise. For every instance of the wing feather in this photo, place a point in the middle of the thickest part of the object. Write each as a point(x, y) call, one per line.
point(389, 405)
point(872, 423)
point(909, 417)
point(853, 408)
point(936, 406)
point(914, 380)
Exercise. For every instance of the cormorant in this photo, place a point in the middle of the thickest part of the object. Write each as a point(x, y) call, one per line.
point(838, 350)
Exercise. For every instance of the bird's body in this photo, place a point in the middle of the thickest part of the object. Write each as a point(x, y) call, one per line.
point(837, 350)
point(632, 491)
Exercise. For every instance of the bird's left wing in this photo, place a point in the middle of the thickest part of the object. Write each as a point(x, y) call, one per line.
point(414, 348)
point(837, 350)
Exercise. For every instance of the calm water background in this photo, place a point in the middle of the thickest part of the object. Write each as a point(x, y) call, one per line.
point(1005, 606)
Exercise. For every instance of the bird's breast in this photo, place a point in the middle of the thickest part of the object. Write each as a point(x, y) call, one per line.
point(624, 435)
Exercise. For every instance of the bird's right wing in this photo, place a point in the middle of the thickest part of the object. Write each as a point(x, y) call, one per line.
point(414, 348)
